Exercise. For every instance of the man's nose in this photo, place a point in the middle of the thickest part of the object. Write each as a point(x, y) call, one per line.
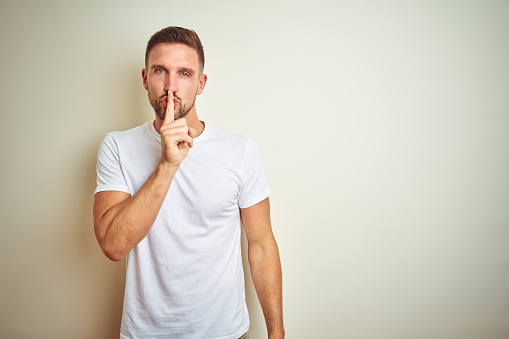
point(171, 83)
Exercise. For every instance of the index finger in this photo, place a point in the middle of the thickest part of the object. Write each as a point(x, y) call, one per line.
point(170, 109)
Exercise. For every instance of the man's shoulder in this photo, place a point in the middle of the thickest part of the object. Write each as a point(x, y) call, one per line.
point(228, 144)
point(139, 137)
point(135, 132)
point(225, 135)
point(131, 131)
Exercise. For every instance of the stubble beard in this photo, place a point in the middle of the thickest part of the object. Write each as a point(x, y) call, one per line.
point(160, 108)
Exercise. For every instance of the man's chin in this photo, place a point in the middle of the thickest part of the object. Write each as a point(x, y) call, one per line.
point(180, 112)
point(161, 115)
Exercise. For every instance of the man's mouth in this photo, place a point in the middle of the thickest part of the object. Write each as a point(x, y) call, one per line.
point(165, 101)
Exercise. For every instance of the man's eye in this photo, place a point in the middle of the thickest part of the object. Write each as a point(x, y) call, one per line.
point(185, 74)
point(160, 71)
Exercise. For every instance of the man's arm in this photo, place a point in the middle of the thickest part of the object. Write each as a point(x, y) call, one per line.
point(121, 221)
point(265, 265)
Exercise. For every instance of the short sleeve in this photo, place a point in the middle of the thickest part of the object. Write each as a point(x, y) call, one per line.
point(254, 182)
point(109, 169)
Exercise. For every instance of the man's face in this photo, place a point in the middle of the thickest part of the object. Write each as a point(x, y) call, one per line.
point(175, 68)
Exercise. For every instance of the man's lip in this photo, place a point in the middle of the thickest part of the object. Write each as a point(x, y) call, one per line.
point(165, 101)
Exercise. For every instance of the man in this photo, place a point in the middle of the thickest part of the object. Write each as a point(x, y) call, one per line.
point(170, 196)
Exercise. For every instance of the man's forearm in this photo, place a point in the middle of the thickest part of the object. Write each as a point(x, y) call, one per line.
point(125, 224)
point(267, 278)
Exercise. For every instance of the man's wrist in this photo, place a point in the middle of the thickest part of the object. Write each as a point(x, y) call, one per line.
point(166, 169)
point(277, 334)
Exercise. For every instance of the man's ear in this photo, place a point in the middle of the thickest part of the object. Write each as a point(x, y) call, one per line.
point(144, 76)
point(201, 83)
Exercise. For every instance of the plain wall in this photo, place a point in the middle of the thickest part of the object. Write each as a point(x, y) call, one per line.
point(384, 126)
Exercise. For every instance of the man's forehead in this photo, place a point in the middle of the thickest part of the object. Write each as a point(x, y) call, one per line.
point(173, 52)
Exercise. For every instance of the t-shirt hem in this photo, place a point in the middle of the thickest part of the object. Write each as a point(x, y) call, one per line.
point(258, 198)
point(241, 332)
point(111, 188)
point(235, 336)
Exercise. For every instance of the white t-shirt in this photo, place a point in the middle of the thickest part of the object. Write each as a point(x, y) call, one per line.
point(185, 278)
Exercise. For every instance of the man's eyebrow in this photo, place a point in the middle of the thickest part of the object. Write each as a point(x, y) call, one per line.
point(157, 66)
point(186, 69)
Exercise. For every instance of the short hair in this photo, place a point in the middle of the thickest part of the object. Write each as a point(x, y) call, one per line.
point(176, 35)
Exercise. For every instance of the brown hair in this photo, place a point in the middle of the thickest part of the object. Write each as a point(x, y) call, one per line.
point(176, 35)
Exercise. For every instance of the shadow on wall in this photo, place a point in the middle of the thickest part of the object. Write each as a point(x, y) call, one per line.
point(105, 296)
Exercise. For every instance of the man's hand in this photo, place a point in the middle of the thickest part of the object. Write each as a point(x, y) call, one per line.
point(176, 136)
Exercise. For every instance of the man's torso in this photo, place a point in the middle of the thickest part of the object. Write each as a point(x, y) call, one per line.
point(185, 277)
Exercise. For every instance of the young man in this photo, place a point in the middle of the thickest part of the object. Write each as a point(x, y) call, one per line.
point(170, 196)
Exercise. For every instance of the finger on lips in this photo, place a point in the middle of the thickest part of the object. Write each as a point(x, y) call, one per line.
point(175, 127)
point(170, 109)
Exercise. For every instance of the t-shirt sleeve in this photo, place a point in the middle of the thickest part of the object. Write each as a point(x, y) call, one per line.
point(254, 182)
point(109, 169)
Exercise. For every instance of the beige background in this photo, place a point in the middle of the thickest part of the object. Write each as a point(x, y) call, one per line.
point(384, 126)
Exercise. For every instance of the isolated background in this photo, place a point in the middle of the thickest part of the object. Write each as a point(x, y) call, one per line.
point(384, 126)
